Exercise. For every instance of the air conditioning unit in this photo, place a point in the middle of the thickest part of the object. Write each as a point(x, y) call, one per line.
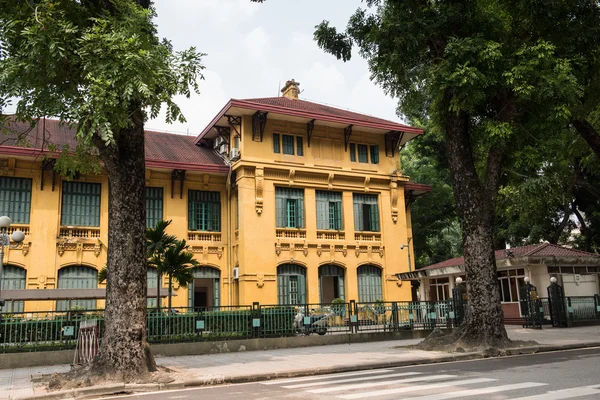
point(234, 154)
point(223, 148)
point(218, 142)
point(236, 273)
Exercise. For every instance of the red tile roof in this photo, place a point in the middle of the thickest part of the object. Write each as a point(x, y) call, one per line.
point(162, 149)
point(307, 109)
point(534, 250)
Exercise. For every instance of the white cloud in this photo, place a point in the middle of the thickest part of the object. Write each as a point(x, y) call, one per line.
point(256, 45)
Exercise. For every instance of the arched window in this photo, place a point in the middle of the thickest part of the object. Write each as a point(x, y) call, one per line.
point(13, 278)
point(77, 277)
point(204, 291)
point(291, 284)
point(331, 283)
point(369, 284)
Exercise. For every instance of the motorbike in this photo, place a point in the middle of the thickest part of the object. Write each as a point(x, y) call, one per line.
point(311, 323)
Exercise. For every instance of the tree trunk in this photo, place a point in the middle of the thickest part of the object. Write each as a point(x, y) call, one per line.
point(124, 351)
point(588, 133)
point(170, 289)
point(475, 202)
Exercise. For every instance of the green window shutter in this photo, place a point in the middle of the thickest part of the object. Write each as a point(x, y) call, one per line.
point(322, 211)
point(154, 206)
point(300, 212)
point(363, 156)
point(15, 199)
point(369, 284)
point(374, 218)
point(338, 215)
point(288, 144)
point(204, 210)
point(280, 209)
point(291, 278)
point(13, 278)
point(299, 148)
point(80, 204)
point(358, 216)
point(77, 277)
point(151, 277)
point(352, 152)
point(374, 154)
point(276, 143)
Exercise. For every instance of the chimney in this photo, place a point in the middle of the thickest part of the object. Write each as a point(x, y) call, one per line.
point(290, 90)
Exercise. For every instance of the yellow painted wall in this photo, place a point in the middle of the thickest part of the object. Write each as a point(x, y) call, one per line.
point(256, 246)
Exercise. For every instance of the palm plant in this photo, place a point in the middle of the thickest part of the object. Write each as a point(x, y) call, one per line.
point(157, 243)
point(176, 262)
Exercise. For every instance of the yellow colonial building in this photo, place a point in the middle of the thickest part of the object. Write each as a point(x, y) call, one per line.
point(282, 201)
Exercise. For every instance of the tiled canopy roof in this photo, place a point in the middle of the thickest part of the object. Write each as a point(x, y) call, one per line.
point(534, 250)
point(316, 108)
point(162, 149)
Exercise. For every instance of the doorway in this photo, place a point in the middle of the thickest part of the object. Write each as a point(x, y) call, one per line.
point(331, 283)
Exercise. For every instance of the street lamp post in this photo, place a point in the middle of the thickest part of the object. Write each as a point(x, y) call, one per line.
point(17, 237)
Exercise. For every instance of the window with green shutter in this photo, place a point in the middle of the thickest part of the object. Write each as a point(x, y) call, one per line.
point(352, 152)
point(299, 147)
point(329, 210)
point(77, 277)
point(363, 156)
point(13, 278)
point(369, 284)
point(374, 154)
point(287, 144)
point(154, 206)
point(289, 207)
point(291, 284)
point(80, 204)
point(15, 199)
point(366, 213)
point(204, 211)
point(276, 143)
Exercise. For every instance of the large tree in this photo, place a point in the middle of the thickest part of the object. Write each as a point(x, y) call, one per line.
point(99, 67)
point(477, 72)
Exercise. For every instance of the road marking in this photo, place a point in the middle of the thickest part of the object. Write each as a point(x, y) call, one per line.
point(366, 378)
point(564, 394)
point(314, 378)
point(477, 392)
point(382, 383)
point(414, 388)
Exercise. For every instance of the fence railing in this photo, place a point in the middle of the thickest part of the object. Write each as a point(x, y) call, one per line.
point(579, 309)
point(54, 330)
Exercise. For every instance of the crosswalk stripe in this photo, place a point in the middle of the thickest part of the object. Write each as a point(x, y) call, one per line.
point(366, 378)
point(328, 376)
point(381, 383)
point(564, 394)
point(413, 388)
point(477, 392)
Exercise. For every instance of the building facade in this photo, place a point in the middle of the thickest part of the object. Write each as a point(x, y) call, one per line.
point(281, 200)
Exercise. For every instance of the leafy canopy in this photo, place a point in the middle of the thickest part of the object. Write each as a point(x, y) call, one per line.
point(91, 64)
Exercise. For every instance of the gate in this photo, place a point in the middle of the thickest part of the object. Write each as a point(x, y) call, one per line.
point(531, 306)
point(556, 303)
point(459, 302)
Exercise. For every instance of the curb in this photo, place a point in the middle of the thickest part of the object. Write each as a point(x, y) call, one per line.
point(232, 379)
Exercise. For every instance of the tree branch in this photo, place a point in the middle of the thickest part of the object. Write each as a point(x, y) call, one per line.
point(588, 133)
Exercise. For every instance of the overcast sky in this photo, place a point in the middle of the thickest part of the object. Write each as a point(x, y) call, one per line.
point(253, 48)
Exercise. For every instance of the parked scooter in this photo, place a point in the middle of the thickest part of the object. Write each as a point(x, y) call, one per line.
point(317, 322)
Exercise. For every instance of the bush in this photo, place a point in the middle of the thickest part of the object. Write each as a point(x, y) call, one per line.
point(338, 306)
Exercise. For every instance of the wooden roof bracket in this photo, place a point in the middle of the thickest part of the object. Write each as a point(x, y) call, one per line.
point(177, 174)
point(310, 126)
point(235, 123)
point(223, 132)
point(347, 134)
point(392, 142)
point(48, 165)
point(259, 120)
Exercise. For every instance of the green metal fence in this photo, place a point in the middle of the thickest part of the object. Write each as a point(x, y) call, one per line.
point(55, 330)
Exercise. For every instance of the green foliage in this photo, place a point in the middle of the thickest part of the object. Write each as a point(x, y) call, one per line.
point(90, 64)
point(339, 306)
point(157, 239)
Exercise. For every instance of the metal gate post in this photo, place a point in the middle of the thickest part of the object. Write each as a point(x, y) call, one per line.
point(530, 305)
point(556, 302)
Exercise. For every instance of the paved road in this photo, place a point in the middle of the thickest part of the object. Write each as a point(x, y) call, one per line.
point(548, 376)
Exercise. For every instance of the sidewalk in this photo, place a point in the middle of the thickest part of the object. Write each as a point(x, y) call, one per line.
point(259, 365)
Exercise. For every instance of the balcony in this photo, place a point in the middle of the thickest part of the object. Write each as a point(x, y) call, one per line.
point(331, 235)
point(68, 232)
point(367, 236)
point(18, 227)
point(290, 233)
point(213, 237)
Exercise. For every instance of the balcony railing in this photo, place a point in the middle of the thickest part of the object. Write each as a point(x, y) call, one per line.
point(79, 232)
point(290, 233)
point(331, 235)
point(367, 237)
point(204, 236)
point(18, 227)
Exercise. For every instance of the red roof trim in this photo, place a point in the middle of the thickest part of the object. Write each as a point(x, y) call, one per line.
point(186, 166)
point(306, 114)
point(418, 186)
